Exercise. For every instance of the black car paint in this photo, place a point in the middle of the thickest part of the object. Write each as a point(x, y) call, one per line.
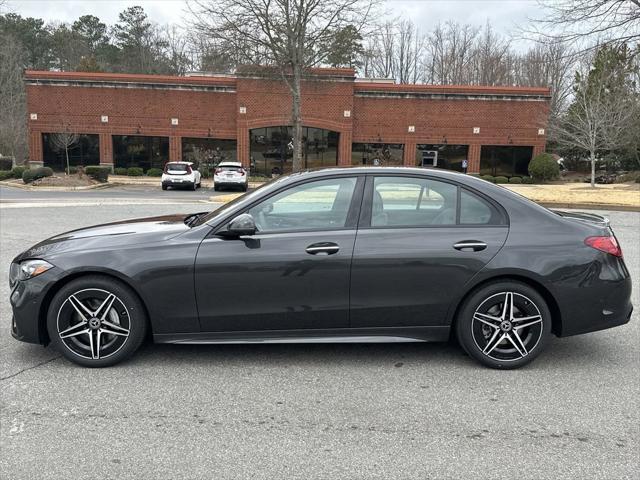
point(403, 282)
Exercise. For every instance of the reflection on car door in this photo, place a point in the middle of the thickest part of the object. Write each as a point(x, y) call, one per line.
point(419, 242)
point(294, 272)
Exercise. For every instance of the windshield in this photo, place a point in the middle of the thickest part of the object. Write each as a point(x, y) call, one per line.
point(247, 196)
point(176, 167)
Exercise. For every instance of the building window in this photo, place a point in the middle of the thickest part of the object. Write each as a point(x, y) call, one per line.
point(206, 153)
point(449, 157)
point(374, 154)
point(140, 151)
point(272, 149)
point(505, 161)
point(82, 152)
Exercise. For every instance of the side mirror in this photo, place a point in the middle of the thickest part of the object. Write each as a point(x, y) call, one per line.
point(241, 225)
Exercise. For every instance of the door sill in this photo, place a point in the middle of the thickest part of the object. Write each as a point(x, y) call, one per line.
point(343, 335)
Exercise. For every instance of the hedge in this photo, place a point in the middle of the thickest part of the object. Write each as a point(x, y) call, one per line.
point(501, 179)
point(528, 180)
point(101, 174)
point(544, 167)
point(6, 163)
point(6, 174)
point(18, 171)
point(154, 172)
point(120, 171)
point(515, 180)
point(488, 178)
point(135, 171)
point(29, 175)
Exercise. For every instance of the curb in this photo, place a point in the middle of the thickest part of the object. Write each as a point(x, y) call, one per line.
point(98, 186)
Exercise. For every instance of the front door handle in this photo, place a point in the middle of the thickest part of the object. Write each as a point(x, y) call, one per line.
point(470, 245)
point(323, 248)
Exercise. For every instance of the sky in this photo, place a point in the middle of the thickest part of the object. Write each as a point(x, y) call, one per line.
point(505, 15)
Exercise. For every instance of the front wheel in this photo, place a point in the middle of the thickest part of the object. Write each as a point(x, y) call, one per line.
point(96, 321)
point(504, 324)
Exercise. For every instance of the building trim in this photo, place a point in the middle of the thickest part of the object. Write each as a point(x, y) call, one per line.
point(131, 84)
point(452, 96)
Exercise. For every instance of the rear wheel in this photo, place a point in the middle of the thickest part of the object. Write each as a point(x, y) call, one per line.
point(164, 187)
point(504, 324)
point(216, 188)
point(96, 321)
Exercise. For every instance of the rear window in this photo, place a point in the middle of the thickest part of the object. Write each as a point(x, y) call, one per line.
point(176, 167)
point(229, 169)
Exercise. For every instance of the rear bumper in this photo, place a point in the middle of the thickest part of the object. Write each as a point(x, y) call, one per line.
point(230, 181)
point(592, 309)
point(170, 183)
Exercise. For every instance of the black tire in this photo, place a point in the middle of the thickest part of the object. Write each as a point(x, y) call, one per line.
point(245, 187)
point(194, 186)
point(164, 187)
point(496, 338)
point(125, 314)
point(216, 188)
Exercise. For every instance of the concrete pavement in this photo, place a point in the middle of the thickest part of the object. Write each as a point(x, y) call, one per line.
point(313, 411)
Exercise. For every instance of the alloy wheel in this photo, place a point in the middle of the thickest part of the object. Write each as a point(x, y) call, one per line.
point(507, 326)
point(93, 323)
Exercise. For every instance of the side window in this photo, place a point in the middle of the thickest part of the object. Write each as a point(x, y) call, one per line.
point(412, 202)
point(476, 211)
point(323, 204)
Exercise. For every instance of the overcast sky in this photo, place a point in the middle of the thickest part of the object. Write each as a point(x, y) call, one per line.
point(504, 15)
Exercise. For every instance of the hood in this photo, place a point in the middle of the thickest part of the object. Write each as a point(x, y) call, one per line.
point(111, 235)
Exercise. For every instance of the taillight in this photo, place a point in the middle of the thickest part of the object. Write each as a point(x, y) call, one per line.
point(217, 172)
point(242, 172)
point(189, 171)
point(604, 244)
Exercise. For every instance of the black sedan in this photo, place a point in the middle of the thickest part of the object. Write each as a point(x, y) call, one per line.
point(335, 255)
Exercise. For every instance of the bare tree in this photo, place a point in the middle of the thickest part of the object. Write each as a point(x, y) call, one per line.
point(13, 110)
point(450, 48)
point(601, 113)
point(64, 141)
point(589, 23)
point(291, 36)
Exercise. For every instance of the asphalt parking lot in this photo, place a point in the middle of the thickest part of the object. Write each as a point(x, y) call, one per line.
point(319, 411)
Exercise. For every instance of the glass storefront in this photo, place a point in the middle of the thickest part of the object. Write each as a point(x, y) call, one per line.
point(505, 161)
point(377, 154)
point(272, 149)
point(140, 151)
point(206, 153)
point(449, 157)
point(82, 152)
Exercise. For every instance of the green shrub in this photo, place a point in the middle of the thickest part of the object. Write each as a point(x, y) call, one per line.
point(73, 170)
point(515, 180)
point(120, 171)
point(42, 172)
point(501, 179)
point(6, 163)
point(18, 171)
point(6, 174)
point(528, 180)
point(135, 171)
point(544, 167)
point(28, 176)
point(154, 172)
point(101, 174)
point(488, 178)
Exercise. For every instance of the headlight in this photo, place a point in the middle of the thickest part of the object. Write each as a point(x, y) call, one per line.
point(28, 269)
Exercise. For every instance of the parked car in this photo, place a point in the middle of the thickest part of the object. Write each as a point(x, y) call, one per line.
point(230, 174)
point(336, 255)
point(181, 174)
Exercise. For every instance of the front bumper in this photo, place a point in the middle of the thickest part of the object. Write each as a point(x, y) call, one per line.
point(28, 301)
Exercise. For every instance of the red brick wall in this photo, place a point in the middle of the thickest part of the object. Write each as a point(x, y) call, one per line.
point(145, 104)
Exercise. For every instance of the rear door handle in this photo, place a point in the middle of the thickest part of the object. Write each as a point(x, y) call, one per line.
point(473, 245)
point(323, 248)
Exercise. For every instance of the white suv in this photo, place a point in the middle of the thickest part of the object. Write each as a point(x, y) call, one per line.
point(181, 174)
point(230, 174)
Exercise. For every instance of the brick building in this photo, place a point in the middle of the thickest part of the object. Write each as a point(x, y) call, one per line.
point(145, 120)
